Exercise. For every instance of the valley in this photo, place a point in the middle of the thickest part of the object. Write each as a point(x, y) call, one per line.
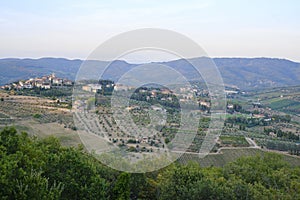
point(252, 123)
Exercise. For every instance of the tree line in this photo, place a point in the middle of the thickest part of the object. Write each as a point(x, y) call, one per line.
point(32, 168)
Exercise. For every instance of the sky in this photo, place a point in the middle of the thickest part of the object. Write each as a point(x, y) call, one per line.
point(223, 28)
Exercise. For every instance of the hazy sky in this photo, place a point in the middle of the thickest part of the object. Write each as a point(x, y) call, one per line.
point(72, 29)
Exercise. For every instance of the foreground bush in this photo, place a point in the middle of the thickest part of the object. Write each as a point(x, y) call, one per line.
point(43, 169)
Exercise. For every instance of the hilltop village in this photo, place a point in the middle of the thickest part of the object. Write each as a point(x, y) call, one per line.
point(44, 82)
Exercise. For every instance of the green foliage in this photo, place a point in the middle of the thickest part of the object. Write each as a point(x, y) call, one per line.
point(91, 103)
point(35, 186)
point(54, 92)
point(184, 182)
point(167, 140)
point(259, 177)
point(37, 115)
point(80, 176)
point(281, 134)
point(236, 141)
point(267, 174)
point(43, 169)
point(9, 140)
point(282, 118)
point(34, 169)
point(121, 190)
point(20, 165)
point(142, 187)
point(285, 105)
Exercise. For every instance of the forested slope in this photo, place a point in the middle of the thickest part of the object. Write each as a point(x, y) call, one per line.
point(31, 168)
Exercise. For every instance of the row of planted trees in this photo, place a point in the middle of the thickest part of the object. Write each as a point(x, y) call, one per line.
point(43, 169)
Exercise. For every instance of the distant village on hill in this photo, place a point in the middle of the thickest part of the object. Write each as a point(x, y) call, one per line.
point(45, 82)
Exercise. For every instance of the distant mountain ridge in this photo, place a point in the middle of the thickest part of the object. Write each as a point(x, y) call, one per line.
point(245, 73)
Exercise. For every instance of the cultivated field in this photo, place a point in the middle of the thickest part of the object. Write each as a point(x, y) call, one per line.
point(43, 117)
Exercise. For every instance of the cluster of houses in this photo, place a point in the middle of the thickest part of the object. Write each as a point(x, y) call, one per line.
point(184, 94)
point(45, 82)
point(99, 86)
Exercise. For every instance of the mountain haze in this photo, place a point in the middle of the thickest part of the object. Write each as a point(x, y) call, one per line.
point(245, 73)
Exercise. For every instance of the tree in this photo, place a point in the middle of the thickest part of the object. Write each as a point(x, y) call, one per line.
point(141, 187)
point(121, 189)
point(21, 175)
point(79, 174)
point(43, 169)
point(9, 140)
point(184, 182)
point(32, 168)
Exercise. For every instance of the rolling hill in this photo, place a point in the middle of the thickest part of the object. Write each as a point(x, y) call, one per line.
point(245, 73)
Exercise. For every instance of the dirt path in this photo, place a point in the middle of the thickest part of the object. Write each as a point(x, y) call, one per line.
point(251, 142)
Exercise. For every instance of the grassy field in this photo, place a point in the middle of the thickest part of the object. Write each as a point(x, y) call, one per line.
point(67, 136)
point(280, 99)
point(71, 138)
point(37, 116)
point(285, 105)
point(19, 111)
point(234, 141)
point(229, 155)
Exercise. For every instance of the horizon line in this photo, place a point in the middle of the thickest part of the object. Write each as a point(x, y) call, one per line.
point(169, 60)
